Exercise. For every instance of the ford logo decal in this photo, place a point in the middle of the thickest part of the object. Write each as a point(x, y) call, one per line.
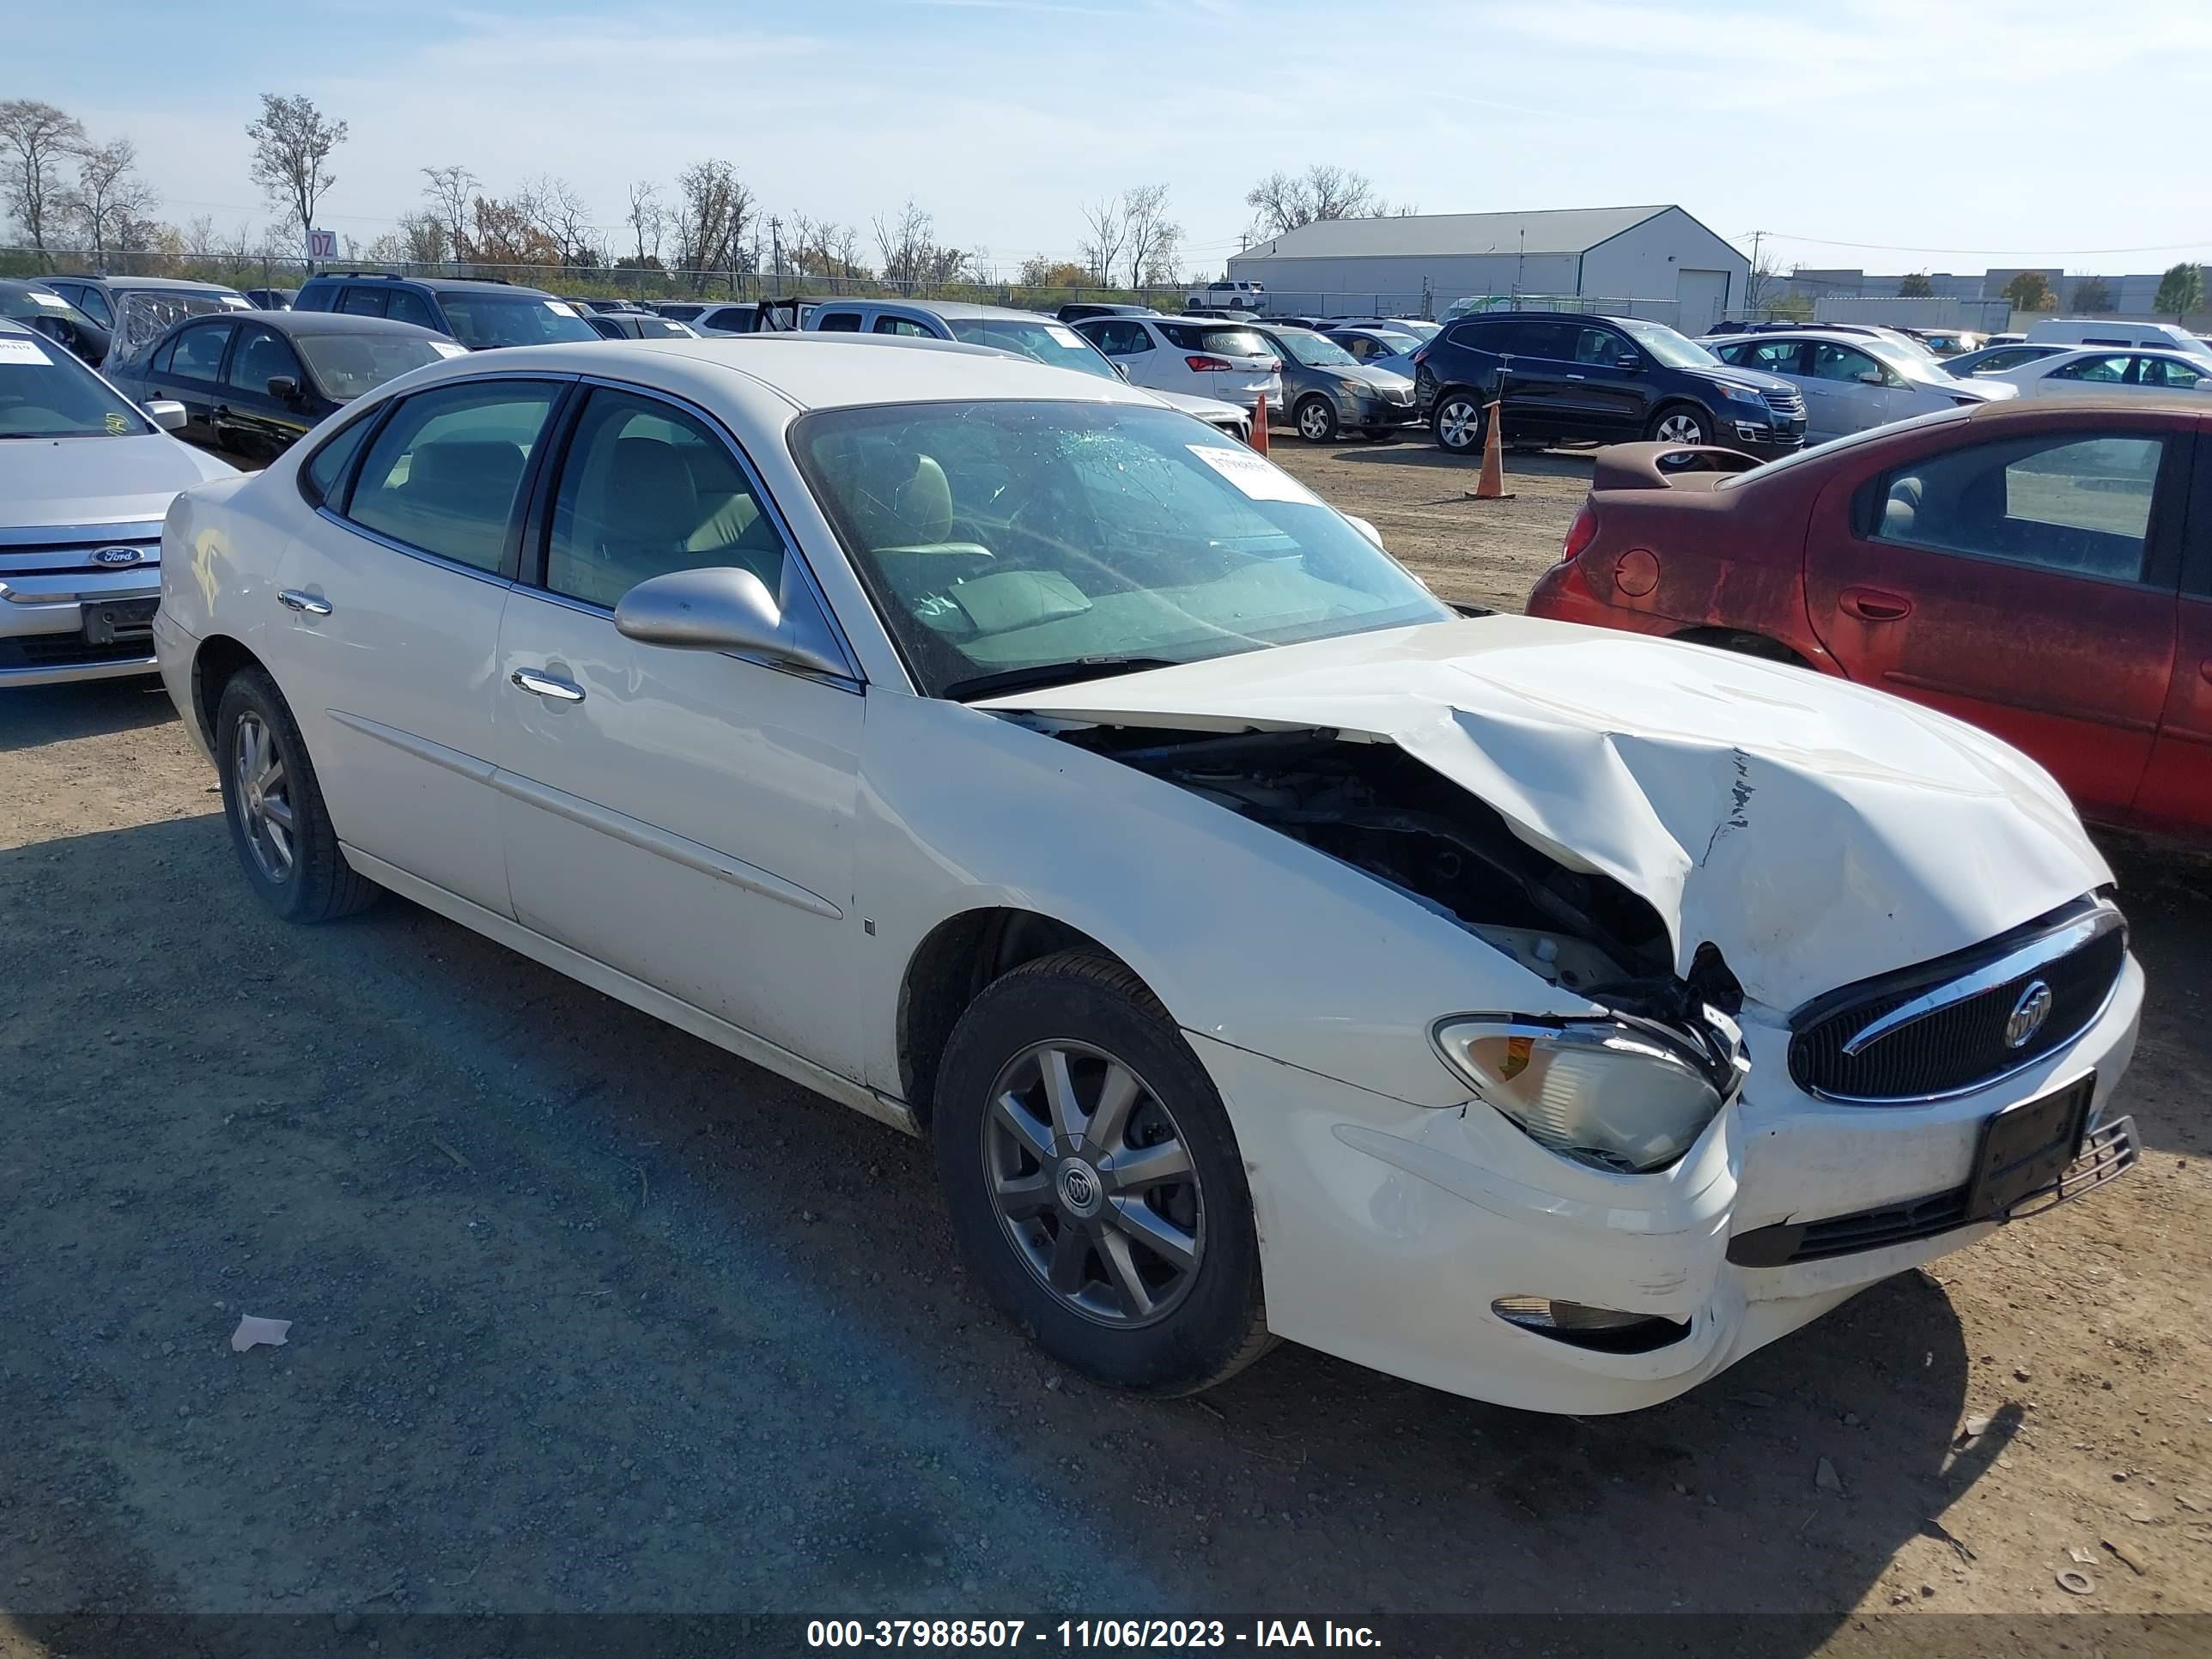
point(2027, 1015)
point(117, 555)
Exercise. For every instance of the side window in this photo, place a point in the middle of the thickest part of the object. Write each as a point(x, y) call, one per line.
point(443, 474)
point(406, 305)
point(163, 356)
point(1776, 357)
point(2099, 371)
point(839, 322)
point(648, 489)
point(888, 324)
point(325, 468)
point(362, 301)
point(1599, 345)
point(1835, 363)
point(2078, 504)
point(2168, 372)
point(199, 352)
point(93, 304)
point(259, 359)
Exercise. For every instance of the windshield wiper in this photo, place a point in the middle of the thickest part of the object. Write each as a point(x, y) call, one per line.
point(1049, 674)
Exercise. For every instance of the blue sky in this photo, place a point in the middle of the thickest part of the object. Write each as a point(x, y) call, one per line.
point(1941, 134)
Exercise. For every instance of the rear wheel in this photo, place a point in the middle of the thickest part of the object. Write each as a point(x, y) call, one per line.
point(278, 825)
point(1094, 1183)
point(1681, 424)
point(1316, 420)
point(1456, 422)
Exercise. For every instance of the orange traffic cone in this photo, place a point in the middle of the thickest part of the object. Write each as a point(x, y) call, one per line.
point(1491, 486)
point(1259, 424)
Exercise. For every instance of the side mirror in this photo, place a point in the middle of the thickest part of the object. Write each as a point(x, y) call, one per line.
point(1366, 528)
point(1120, 367)
point(283, 388)
point(167, 414)
point(1629, 361)
point(1872, 377)
point(723, 609)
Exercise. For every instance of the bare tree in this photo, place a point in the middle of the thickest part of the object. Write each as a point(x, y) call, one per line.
point(291, 146)
point(646, 219)
point(713, 220)
point(35, 138)
point(109, 196)
point(559, 217)
point(914, 257)
point(1282, 202)
point(450, 191)
point(201, 242)
point(1102, 248)
point(1153, 239)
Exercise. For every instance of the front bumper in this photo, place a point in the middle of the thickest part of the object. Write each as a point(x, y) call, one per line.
point(56, 629)
point(1387, 1230)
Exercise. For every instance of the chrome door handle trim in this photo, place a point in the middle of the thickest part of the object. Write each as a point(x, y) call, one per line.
point(544, 685)
point(293, 599)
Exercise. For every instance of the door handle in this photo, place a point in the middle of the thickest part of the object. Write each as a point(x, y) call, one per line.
point(222, 411)
point(1872, 605)
point(544, 685)
point(293, 599)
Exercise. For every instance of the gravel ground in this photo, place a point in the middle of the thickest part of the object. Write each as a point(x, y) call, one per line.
point(588, 1315)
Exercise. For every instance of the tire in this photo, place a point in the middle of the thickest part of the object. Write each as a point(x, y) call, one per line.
point(1020, 1178)
point(1456, 422)
point(1316, 417)
point(1681, 424)
point(296, 868)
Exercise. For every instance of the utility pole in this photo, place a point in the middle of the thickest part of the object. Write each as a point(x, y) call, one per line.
point(1756, 295)
point(775, 244)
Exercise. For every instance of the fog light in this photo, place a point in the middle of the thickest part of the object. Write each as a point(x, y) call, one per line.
point(1606, 1330)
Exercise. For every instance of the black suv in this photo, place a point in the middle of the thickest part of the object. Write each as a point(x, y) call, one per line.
point(479, 314)
point(1600, 380)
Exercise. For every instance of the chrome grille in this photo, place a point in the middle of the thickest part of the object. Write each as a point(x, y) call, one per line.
point(1790, 405)
point(1948, 1027)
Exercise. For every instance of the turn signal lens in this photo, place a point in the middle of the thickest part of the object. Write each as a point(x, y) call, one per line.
point(1208, 365)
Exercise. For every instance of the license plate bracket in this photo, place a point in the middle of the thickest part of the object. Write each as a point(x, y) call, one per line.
point(2026, 1147)
point(109, 620)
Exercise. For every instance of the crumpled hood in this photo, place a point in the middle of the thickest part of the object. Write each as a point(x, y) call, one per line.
point(1817, 832)
point(92, 481)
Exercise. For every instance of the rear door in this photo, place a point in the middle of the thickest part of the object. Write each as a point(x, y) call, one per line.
point(192, 375)
point(2177, 787)
point(2024, 584)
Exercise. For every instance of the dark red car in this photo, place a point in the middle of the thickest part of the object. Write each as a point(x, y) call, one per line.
point(2042, 570)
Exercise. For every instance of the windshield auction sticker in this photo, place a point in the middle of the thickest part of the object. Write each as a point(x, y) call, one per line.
point(1261, 480)
point(24, 351)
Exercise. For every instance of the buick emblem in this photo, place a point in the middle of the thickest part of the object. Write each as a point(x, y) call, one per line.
point(2027, 1015)
point(117, 555)
point(1079, 1188)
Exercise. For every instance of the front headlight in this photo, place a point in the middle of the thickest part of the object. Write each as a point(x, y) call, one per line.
point(1617, 1095)
point(1352, 388)
point(1742, 394)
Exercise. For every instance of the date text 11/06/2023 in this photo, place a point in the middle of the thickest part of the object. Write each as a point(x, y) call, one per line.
point(1087, 1633)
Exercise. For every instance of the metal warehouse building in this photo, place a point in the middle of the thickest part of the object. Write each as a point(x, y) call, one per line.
point(1661, 259)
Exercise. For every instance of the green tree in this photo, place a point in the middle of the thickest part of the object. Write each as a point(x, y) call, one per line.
point(2180, 291)
point(1916, 287)
point(2092, 294)
point(2030, 291)
point(292, 145)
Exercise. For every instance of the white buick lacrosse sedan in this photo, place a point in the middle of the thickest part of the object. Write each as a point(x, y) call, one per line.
point(1268, 948)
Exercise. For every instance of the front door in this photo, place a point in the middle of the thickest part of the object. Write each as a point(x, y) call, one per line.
point(684, 816)
point(2177, 787)
point(251, 421)
point(2027, 585)
point(395, 604)
point(1846, 391)
point(189, 370)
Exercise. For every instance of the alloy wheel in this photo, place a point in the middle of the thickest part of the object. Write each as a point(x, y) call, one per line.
point(1094, 1185)
point(263, 795)
point(1315, 424)
point(1682, 428)
point(1459, 425)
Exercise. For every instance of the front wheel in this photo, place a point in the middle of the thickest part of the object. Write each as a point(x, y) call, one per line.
point(1094, 1183)
point(1456, 421)
point(1681, 424)
point(1316, 419)
point(278, 825)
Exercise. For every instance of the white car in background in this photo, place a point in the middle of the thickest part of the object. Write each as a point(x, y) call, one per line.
point(1853, 382)
point(2101, 371)
point(1266, 949)
point(1201, 357)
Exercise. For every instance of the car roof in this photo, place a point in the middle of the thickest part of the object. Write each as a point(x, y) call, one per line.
point(121, 284)
point(950, 309)
point(805, 370)
point(319, 322)
point(435, 284)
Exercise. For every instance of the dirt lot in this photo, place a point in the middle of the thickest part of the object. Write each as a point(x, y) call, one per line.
point(588, 1315)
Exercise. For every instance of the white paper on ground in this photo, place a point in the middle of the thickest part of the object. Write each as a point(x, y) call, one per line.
point(253, 1331)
